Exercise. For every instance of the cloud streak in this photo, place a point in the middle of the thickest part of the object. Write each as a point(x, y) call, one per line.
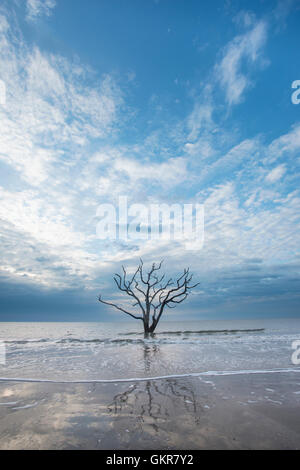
point(239, 55)
point(37, 8)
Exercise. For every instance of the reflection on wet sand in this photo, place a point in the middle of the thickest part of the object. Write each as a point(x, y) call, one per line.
point(155, 399)
point(193, 413)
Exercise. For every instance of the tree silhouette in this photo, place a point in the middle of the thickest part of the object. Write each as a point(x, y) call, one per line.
point(151, 293)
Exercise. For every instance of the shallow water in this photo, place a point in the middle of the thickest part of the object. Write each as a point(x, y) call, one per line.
point(112, 351)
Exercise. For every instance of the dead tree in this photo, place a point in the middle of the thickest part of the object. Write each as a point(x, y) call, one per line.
point(151, 293)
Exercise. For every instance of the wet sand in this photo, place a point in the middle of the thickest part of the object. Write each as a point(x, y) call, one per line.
point(260, 411)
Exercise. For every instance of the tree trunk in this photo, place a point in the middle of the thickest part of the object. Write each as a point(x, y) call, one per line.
point(149, 329)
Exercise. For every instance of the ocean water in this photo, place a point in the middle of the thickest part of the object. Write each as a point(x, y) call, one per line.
point(118, 351)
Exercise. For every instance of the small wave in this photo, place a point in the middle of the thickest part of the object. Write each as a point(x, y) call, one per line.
point(101, 341)
point(126, 341)
point(25, 341)
point(129, 341)
point(141, 340)
point(74, 340)
point(24, 407)
point(213, 373)
point(201, 332)
point(79, 340)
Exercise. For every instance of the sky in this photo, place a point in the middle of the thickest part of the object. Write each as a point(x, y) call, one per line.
point(161, 101)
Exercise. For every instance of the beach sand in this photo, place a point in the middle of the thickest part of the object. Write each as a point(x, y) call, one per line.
point(259, 411)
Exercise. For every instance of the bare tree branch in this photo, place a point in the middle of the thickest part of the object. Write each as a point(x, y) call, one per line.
point(155, 296)
point(119, 308)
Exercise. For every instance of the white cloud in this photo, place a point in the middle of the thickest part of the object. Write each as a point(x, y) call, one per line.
point(275, 174)
point(169, 173)
point(129, 171)
point(287, 143)
point(201, 148)
point(4, 26)
point(241, 154)
point(36, 8)
point(51, 110)
point(34, 228)
point(55, 110)
point(241, 51)
point(201, 117)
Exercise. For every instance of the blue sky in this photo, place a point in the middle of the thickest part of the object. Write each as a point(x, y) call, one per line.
point(161, 101)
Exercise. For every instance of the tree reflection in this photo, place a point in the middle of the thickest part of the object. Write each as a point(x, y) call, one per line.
point(153, 401)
